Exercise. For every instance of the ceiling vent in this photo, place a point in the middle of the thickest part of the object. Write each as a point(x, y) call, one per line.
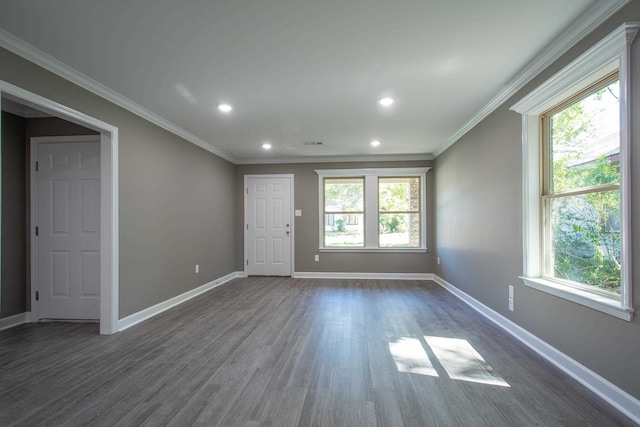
point(312, 142)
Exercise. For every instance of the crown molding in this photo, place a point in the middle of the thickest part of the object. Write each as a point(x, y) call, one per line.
point(335, 159)
point(599, 56)
point(589, 20)
point(49, 63)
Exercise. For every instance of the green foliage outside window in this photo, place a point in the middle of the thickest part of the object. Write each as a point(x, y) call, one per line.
point(585, 227)
point(344, 199)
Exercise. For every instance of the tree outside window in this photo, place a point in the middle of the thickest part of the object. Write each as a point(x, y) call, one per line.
point(582, 197)
point(344, 211)
point(399, 211)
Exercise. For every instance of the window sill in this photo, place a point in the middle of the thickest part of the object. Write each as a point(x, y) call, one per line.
point(588, 299)
point(374, 250)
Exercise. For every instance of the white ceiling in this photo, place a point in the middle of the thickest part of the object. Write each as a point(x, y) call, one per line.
point(300, 70)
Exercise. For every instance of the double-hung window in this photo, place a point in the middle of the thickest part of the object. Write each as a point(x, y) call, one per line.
point(344, 212)
point(581, 189)
point(371, 210)
point(576, 172)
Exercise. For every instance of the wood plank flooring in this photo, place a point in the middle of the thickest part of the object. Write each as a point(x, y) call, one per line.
point(267, 351)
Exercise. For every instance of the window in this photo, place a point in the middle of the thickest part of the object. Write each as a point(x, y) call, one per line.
point(399, 212)
point(581, 189)
point(343, 204)
point(372, 209)
point(576, 169)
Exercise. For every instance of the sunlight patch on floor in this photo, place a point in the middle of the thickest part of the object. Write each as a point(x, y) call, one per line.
point(409, 356)
point(463, 362)
point(457, 357)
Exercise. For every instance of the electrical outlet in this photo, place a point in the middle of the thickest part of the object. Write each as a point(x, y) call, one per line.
point(317, 258)
point(197, 268)
point(511, 297)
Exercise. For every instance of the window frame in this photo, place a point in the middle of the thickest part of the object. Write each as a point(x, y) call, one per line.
point(405, 212)
point(549, 193)
point(610, 54)
point(371, 229)
point(324, 211)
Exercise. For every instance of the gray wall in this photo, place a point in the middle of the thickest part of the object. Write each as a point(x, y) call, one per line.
point(306, 226)
point(479, 234)
point(176, 199)
point(14, 250)
point(53, 126)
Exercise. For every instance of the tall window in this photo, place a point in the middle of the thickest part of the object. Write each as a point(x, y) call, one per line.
point(344, 212)
point(581, 188)
point(399, 212)
point(576, 173)
point(372, 209)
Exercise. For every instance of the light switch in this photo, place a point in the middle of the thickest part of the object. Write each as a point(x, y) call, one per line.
point(298, 212)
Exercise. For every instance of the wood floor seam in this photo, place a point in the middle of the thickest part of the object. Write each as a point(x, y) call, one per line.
point(271, 351)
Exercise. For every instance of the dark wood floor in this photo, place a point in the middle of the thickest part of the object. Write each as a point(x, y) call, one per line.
point(286, 352)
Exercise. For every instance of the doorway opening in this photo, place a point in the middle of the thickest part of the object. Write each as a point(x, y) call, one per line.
point(107, 257)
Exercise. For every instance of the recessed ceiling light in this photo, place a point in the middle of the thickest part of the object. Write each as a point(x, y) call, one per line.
point(385, 102)
point(225, 108)
point(266, 146)
point(375, 143)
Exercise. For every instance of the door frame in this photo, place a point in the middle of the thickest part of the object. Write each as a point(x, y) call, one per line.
point(33, 203)
point(109, 254)
point(246, 219)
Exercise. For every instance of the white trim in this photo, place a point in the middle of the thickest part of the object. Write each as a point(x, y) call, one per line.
point(292, 239)
point(611, 48)
point(374, 250)
point(578, 296)
point(49, 63)
point(371, 176)
point(21, 110)
point(53, 108)
point(109, 227)
point(362, 276)
point(611, 53)
point(618, 398)
point(595, 15)
point(15, 320)
point(335, 159)
point(373, 172)
point(152, 311)
point(109, 224)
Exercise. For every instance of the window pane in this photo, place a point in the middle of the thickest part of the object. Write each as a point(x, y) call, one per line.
point(343, 230)
point(399, 194)
point(399, 230)
point(585, 141)
point(344, 195)
point(585, 239)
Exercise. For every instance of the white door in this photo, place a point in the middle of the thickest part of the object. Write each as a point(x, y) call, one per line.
point(68, 238)
point(268, 225)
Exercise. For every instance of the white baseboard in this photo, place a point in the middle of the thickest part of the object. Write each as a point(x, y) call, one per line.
point(15, 320)
point(147, 313)
point(618, 398)
point(362, 276)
